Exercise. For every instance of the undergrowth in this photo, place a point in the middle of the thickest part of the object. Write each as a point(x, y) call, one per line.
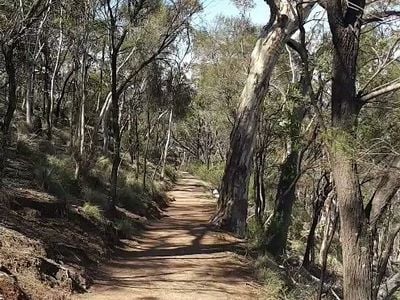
point(212, 175)
point(55, 173)
point(126, 227)
point(94, 212)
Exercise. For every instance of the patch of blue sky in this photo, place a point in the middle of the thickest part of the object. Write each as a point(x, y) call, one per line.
point(259, 15)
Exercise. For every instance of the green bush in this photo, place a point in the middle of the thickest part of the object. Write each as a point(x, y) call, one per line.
point(43, 176)
point(23, 148)
point(102, 168)
point(64, 170)
point(47, 147)
point(47, 180)
point(93, 212)
point(94, 196)
point(396, 296)
point(171, 173)
point(56, 176)
point(127, 178)
point(274, 284)
point(255, 234)
point(126, 227)
point(134, 197)
point(212, 175)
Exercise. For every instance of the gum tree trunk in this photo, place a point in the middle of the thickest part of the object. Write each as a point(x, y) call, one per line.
point(165, 153)
point(232, 206)
point(8, 52)
point(355, 237)
point(324, 189)
point(278, 230)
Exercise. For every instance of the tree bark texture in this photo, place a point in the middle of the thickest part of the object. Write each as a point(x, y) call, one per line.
point(8, 52)
point(232, 206)
point(355, 238)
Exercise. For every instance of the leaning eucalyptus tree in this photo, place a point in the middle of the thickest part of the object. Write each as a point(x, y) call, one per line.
point(286, 15)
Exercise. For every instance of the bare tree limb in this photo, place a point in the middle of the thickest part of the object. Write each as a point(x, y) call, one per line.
point(380, 92)
point(387, 188)
point(380, 16)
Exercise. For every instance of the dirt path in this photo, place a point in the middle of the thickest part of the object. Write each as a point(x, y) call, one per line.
point(179, 257)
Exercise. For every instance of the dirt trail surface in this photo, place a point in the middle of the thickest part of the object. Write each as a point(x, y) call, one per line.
point(179, 257)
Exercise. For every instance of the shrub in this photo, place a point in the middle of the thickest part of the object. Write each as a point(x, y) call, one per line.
point(128, 178)
point(43, 176)
point(255, 234)
point(46, 178)
point(102, 168)
point(93, 212)
point(94, 196)
point(126, 227)
point(64, 169)
point(46, 147)
point(56, 176)
point(23, 148)
point(134, 198)
point(212, 175)
point(274, 283)
point(171, 173)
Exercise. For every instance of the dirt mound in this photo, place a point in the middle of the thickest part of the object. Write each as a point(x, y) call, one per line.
point(37, 260)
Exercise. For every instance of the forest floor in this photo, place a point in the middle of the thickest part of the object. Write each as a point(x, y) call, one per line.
point(179, 257)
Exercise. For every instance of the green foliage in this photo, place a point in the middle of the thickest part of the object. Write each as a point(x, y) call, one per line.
point(306, 290)
point(64, 168)
point(94, 196)
point(171, 173)
point(47, 180)
point(102, 168)
point(46, 147)
point(211, 175)
point(274, 284)
point(23, 148)
point(396, 296)
point(134, 197)
point(255, 234)
point(126, 227)
point(93, 211)
point(56, 175)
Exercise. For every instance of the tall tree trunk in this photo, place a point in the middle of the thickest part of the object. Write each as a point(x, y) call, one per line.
point(277, 233)
point(146, 150)
point(46, 87)
point(116, 157)
point(53, 81)
point(165, 153)
point(330, 215)
point(62, 94)
point(29, 98)
point(325, 251)
point(100, 93)
point(82, 107)
point(355, 238)
point(321, 195)
point(259, 186)
point(8, 52)
point(137, 146)
point(232, 204)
